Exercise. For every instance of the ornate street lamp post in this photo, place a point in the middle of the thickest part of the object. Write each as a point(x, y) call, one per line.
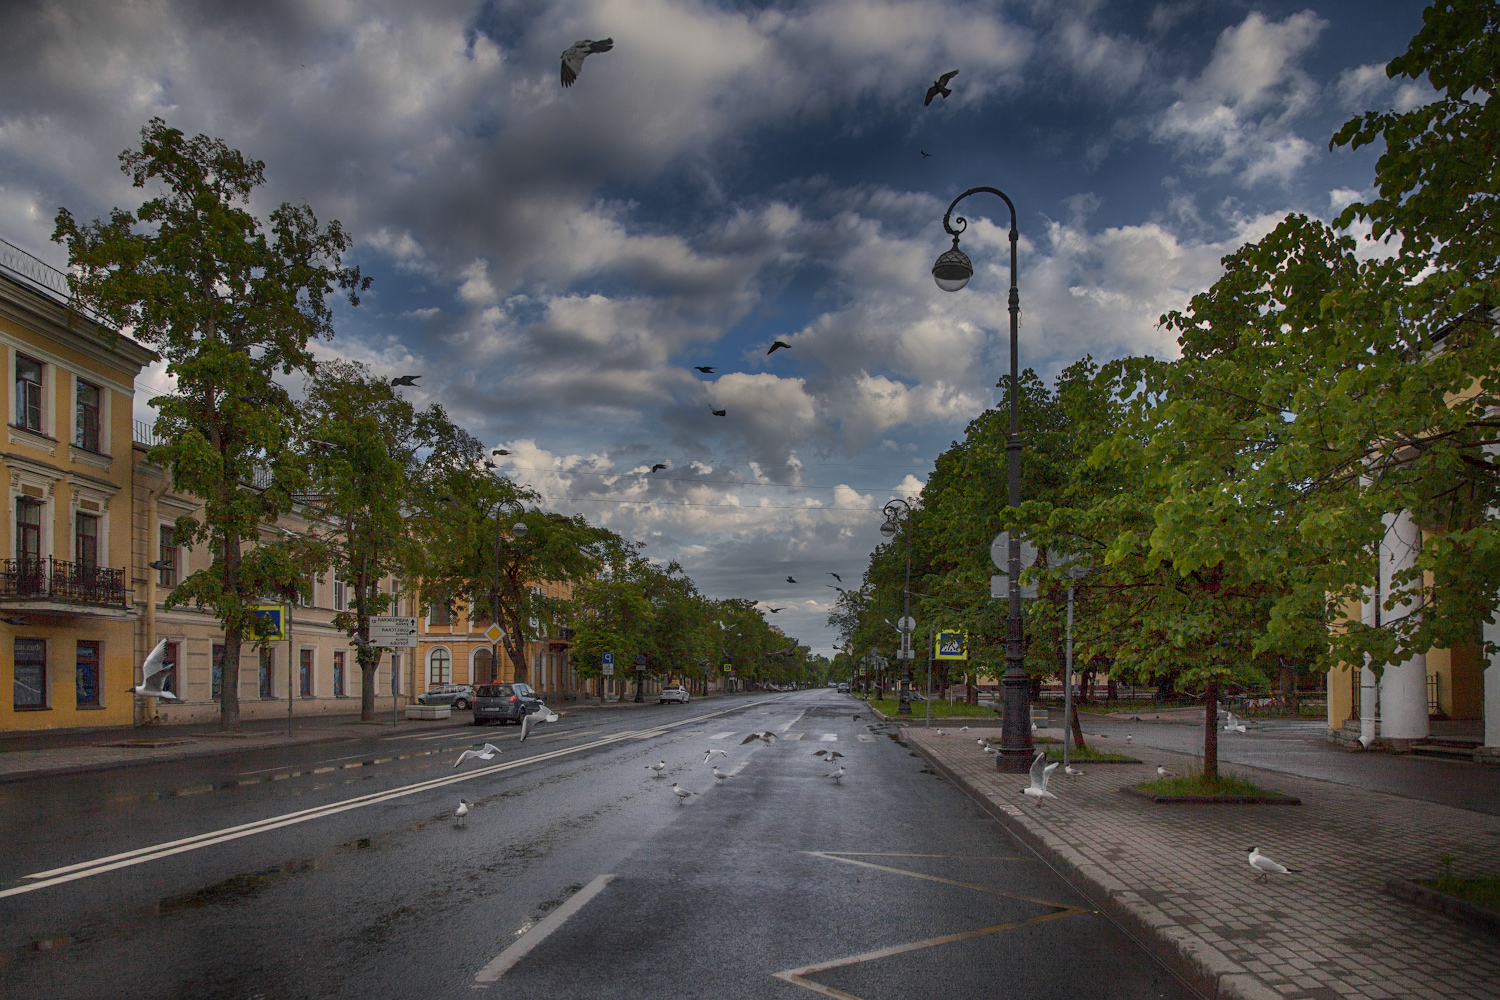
point(952, 272)
point(892, 512)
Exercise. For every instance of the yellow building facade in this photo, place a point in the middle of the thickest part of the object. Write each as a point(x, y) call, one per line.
point(453, 649)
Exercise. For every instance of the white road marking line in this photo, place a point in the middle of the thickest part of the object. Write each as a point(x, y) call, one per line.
point(794, 736)
point(721, 736)
point(738, 768)
point(866, 738)
point(330, 760)
point(789, 725)
point(502, 962)
point(98, 866)
point(829, 738)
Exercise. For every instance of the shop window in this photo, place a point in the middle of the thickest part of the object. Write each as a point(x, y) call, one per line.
point(86, 675)
point(86, 431)
point(31, 673)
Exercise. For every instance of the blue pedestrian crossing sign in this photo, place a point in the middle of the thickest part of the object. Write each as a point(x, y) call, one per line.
point(952, 645)
point(268, 622)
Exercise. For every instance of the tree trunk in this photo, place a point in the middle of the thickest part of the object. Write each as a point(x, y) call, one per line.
point(1211, 732)
point(1077, 729)
point(229, 691)
point(368, 663)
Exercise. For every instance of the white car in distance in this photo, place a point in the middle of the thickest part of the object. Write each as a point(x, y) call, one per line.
point(674, 692)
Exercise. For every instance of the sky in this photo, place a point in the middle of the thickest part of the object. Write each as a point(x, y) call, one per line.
point(555, 263)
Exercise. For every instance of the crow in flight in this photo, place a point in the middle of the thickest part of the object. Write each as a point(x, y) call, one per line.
point(572, 60)
point(836, 577)
point(924, 153)
point(717, 413)
point(790, 580)
point(775, 344)
point(656, 468)
point(704, 370)
point(775, 611)
point(502, 451)
point(939, 86)
point(405, 380)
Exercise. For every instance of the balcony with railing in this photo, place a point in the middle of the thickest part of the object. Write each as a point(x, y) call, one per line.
point(54, 585)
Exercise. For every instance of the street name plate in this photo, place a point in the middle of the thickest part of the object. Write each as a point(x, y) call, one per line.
point(393, 631)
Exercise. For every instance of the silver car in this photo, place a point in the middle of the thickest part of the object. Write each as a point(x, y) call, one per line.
point(459, 696)
point(674, 692)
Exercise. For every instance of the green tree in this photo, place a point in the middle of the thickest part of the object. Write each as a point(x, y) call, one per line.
point(229, 302)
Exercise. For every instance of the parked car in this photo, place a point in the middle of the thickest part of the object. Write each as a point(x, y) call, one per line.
point(674, 692)
point(503, 703)
point(833, 684)
point(459, 696)
point(843, 688)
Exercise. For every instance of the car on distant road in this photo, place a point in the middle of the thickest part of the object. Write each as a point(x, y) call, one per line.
point(843, 689)
point(459, 696)
point(674, 692)
point(833, 684)
point(504, 703)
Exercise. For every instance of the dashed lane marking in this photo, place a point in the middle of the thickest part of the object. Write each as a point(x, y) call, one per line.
point(738, 768)
point(829, 738)
point(721, 736)
point(794, 736)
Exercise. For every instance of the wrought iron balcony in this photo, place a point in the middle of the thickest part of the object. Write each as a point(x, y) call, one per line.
point(55, 580)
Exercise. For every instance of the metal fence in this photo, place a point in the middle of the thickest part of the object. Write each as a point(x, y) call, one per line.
point(54, 579)
point(144, 433)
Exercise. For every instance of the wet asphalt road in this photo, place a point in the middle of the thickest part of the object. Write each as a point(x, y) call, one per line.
point(889, 884)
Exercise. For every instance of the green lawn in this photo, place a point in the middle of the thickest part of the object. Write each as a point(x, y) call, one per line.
point(1480, 891)
point(1055, 751)
point(1197, 784)
point(940, 709)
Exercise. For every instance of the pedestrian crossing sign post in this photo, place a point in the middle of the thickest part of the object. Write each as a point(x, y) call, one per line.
point(952, 645)
point(269, 622)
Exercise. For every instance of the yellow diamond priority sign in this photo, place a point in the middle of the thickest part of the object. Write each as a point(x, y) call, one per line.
point(494, 633)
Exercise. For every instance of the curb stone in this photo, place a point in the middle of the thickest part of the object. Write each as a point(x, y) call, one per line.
point(1444, 902)
point(1197, 963)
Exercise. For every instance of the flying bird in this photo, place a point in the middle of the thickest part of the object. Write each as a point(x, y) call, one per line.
point(154, 673)
point(409, 380)
point(790, 580)
point(1039, 775)
point(836, 576)
point(837, 775)
point(462, 813)
point(1265, 866)
point(831, 754)
point(718, 774)
point(572, 59)
point(681, 793)
point(717, 413)
point(775, 611)
point(542, 714)
point(658, 767)
point(710, 754)
point(1162, 772)
point(963, 729)
point(499, 451)
point(488, 753)
point(765, 737)
point(1072, 771)
point(1233, 726)
point(707, 370)
point(657, 467)
point(777, 345)
point(924, 152)
point(939, 86)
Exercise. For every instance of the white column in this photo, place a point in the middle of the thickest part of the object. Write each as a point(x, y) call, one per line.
point(1403, 686)
point(1492, 691)
point(1369, 614)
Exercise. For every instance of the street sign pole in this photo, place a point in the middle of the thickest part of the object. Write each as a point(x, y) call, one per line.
point(290, 656)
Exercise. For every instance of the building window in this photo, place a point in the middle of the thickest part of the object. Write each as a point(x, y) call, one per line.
point(338, 592)
point(484, 666)
point(338, 673)
point(169, 659)
point(439, 667)
point(87, 431)
point(305, 672)
point(216, 684)
point(28, 393)
point(31, 673)
point(440, 613)
point(86, 541)
point(86, 674)
point(28, 529)
point(167, 553)
point(267, 671)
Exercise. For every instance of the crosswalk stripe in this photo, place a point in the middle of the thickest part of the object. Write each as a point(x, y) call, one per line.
point(721, 736)
point(829, 738)
point(793, 736)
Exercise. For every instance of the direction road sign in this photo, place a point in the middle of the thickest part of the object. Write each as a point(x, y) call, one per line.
point(393, 631)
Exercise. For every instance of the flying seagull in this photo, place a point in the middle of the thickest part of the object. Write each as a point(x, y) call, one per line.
point(718, 774)
point(831, 754)
point(1039, 775)
point(154, 673)
point(765, 737)
point(963, 729)
point(1233, 726)
point(836, 576)
point(707, 370)
point(1162, 772)
point(717, 413)
point(410, 380)
point(1072, 771)
point(923, 151)
point(1265, 866)
point(710, 754)
point(658, 767)
point(160, 564)
point(488, 753)
point(681, 793)
point(462, 813)
point(939, 86)
point(657, 467)
point(572, 60)
point(777, 345)
point(542, 714)
point(837, 775)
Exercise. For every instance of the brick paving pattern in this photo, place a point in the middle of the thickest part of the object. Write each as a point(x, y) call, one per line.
point(1329, 933)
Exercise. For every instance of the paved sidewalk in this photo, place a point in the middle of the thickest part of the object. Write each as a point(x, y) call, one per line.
point(1176, 877)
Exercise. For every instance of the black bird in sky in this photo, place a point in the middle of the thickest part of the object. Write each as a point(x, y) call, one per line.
point(790, 580)
point(775, 611)
point(502, 451)
point(657, 467)
point(405, 380)
point(707, 370)
point(836, 576)
point(572, 59)
point(717, 413)
point(776, 344)
point(939, 86)
point(924, 153)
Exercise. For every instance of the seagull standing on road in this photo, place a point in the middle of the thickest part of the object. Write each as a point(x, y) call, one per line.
point(1162, 772)
point(1129, 738)
point(658, 767)
point(837, 775)
point(1265, 866)
point(713, 752)
point(1039, 775)
point(681, 793)
point(572, 59)
point(542, 714)
point(154, 673)
point(1072, 771)
point(488, 753)
point(462, 813)
point(718, 774)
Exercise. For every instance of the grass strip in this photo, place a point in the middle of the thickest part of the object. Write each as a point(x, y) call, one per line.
point(1479, 891)
point(1197, 784)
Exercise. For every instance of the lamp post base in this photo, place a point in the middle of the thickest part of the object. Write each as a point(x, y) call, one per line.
point(1016, 748)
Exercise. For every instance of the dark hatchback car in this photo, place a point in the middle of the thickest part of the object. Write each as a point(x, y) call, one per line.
point(503, 703)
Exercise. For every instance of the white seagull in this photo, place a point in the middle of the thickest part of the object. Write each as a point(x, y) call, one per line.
point(572, 59)
point(1233, 726)
point(765, 737)
point(1039, 775)
point(1265, 866)
point(1129, 738)
point(542, 714)
point(462, 813)
point(1072, 771)
point(837, 775)
point(154, 673)
point(709, 755)
point(1162, 772)
point(681, 793)
point(718, 774)
point(658, 767)
point(963, 729)
point(488, 753)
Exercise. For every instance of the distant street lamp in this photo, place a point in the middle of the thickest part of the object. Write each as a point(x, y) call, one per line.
point(892, 512)
point(952, 272)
